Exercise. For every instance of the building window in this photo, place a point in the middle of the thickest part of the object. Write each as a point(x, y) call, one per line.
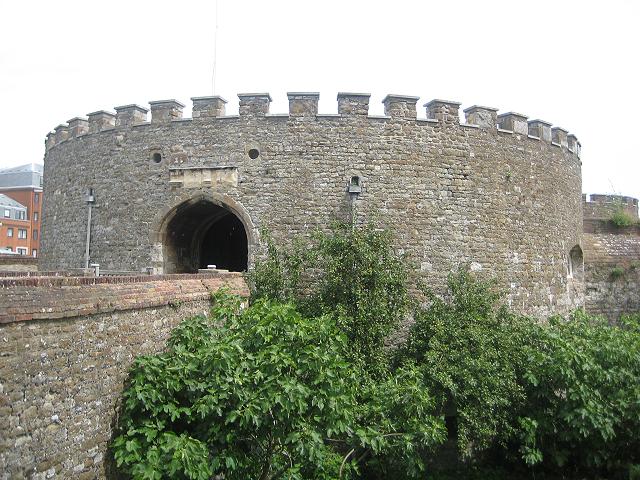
point(35, 234)
point(36, 197)
point(9, 232)
point(35, 216)
point(21, 251)
point(34, 253)
point(22, 215)
point(22, 233)
point(7, 213)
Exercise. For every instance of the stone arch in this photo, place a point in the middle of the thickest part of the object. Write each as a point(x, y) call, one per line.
point(202, 229)
point(575, 264)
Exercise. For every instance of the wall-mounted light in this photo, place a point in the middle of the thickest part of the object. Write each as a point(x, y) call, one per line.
point(88, 197)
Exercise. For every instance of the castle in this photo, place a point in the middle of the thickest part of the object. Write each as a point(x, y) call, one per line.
point(177, 194)
point(498, 193)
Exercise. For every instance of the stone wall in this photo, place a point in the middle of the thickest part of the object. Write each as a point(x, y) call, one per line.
point(17, 263)
point(65, 347)
point(506, 201)
point(611, 257)
point(602, 207)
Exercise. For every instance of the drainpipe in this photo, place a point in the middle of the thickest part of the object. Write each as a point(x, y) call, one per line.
point(90, 199)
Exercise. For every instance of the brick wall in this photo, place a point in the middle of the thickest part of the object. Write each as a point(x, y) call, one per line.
point(65, 347)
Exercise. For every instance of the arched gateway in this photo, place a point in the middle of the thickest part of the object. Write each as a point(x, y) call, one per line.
point(198, 233)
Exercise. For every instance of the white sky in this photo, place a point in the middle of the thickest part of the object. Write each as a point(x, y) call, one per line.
point(573, 63)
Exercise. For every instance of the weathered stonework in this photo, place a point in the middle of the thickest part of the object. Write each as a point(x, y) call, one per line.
point(66, 344)
point(611, 257)
point(506, 201)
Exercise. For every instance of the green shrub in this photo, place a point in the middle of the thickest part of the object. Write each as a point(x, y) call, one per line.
point(265, 393)
point(621, 219)
point(583, 396)
point(472, 355)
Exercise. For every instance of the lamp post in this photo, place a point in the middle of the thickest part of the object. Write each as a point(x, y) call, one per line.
point(90, 199)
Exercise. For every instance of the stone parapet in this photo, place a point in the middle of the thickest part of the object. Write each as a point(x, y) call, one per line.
point(129, 115)
point(101, 120)
point(254, 104)
point(165, 111)
point(353, 104)
point(483, 117)
point(208, 107)
point(45, 298)
point(516, 122)
point(445, 111)
point(303, 104)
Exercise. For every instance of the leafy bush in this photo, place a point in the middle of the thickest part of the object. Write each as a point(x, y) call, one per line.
point(583, 397)
point(621, 219)
point(265, 393)
point(472, 355)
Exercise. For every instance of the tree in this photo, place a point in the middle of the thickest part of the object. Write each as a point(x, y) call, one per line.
point(471, 352)
point(351, 273)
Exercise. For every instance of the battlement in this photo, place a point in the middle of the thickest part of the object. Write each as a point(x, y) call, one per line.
point(597, 206)
point(303, 106)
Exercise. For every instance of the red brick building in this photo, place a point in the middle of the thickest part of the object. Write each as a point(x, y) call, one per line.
point(23, 185)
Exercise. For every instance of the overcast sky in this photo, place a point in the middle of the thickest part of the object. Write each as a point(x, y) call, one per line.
point(572, 63)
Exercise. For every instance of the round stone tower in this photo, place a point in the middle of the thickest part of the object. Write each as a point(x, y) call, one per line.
point(498, 193)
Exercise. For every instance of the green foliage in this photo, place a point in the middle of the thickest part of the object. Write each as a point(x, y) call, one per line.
point(583, 395)
point(621, 219)
point(299, 385)
point(265, 393)
point(277, 275)
point(353, 275)
point(363, 287)
point(471, 355)
point(617, 272)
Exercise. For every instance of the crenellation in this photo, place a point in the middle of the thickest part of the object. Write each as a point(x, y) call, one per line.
point(445, 111)
point(130, 115)
point(559, 136)
point(50, 140)
point(208, 107)
point(400, 106)
point(62, 133)
point(483, 117)
point(165, 111)
point(254, 104)
point(572, 143)
point(541, 129)
point(353, 104)
point(100, 121)
point(78, 126)
point(303, 104)
point(516, 122)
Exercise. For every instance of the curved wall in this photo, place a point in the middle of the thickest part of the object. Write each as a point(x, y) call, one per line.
point(506, 201)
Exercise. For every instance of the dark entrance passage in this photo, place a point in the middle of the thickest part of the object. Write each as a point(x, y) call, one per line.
point(225, 245)
point(202, 234)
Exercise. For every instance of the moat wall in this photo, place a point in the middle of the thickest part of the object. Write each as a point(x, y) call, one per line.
point(611, 256)
point(505, 201)
point(66, 344)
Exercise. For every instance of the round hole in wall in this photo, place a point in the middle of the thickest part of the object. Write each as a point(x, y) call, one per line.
point(156, 157)
point(254, 153)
